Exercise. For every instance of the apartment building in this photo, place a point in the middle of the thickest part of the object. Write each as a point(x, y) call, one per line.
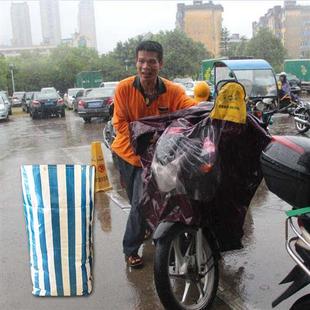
point(50, 21)
point(86, 22)
point(291, 24)
point(202, 22)
point(21, 28)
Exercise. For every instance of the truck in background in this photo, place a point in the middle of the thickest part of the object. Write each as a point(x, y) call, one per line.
point(88, 79)
point(300, 68)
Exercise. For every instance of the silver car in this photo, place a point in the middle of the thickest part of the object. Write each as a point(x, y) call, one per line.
point(6, 99)
point(97, 103)
point(4, 109)
point(70, 95)
point(18, 98)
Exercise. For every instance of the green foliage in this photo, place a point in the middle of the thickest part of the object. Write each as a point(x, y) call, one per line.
point(182, 56)
point(33, 70)
point(3, 73)
point(66, 62)
point(224, 41)
point(266, 46)
point(237, 49)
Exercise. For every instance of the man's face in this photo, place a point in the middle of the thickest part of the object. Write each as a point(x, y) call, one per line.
point(148, 66)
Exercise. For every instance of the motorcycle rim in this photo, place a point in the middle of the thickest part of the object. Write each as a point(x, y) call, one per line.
point(303, 114)
point(186, 278)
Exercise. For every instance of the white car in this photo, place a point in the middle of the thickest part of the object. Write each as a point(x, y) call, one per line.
point(70, 95)
point(4, 109)
point(109, 84)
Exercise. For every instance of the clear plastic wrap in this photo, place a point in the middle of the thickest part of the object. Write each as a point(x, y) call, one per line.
point(185, 159)
point(207, 170)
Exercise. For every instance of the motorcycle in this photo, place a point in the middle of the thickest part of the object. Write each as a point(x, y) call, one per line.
point(300, 274)
point(181, 201)
point(302, 116)
point(286, 169)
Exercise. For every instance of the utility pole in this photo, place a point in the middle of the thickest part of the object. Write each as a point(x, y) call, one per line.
point(11, 66)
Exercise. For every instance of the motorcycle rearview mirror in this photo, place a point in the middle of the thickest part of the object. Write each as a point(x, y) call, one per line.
point(260, 106)
point(267, 101)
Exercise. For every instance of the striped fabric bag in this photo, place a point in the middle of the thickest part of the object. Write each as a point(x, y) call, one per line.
point(58, 208)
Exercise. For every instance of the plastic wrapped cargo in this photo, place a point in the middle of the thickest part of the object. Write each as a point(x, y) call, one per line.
point(212, 170)
point(185, 159)
point(58, 207)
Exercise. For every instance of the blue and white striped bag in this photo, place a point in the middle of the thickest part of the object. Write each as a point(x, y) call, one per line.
point(58, 208)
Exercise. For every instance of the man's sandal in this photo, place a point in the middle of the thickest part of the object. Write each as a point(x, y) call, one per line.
point(134, 261)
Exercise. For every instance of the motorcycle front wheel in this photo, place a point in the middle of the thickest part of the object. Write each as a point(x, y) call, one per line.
point(186, 270)
point(304, 115)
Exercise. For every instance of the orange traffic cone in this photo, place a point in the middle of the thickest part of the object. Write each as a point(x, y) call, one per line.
point(101, 177)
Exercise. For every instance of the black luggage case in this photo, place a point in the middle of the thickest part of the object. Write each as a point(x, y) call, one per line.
point(286, 168)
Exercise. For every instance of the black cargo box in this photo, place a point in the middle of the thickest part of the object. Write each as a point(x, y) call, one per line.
point(286, 168)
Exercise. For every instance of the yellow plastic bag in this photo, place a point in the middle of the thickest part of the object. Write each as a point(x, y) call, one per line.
point(230, 103)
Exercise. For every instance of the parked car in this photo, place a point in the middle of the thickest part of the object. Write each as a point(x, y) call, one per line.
point(6, 99)
point(294, 81)
point(69, 97)
point(4, 109)
point(46, 104)
point(18, 98)
point(80, 94)
point(96, 103)
point(26, 104)
point(187, 84)
point(109, 84)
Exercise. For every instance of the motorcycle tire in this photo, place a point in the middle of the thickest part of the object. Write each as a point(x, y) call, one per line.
point(302, 303)
point(301, 128)
point(178, 283)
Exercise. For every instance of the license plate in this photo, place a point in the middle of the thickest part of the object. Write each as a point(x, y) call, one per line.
point(97, 104)
point(49, 102)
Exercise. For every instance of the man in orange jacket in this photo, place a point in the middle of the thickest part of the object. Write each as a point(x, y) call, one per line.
point(145, 94)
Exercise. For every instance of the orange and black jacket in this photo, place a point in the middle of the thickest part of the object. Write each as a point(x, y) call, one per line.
point(131, 104)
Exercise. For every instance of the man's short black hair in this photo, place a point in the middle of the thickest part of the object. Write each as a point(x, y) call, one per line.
point(150, 46)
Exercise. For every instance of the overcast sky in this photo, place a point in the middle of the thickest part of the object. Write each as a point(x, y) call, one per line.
point(120, 20)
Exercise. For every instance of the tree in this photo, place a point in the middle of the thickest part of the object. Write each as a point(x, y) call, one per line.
point(3, 73)
point(225, 41)
point(238, 49)
point(66, 62)
point(182, 55)
point(267, 46)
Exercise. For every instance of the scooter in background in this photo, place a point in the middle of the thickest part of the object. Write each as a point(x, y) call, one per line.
point(302, 116)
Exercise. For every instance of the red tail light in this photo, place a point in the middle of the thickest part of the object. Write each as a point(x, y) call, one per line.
point(60, 101)
point(82, 104)
point(110, 100)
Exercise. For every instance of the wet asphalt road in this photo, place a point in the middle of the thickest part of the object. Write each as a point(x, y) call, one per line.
point(249, 278)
